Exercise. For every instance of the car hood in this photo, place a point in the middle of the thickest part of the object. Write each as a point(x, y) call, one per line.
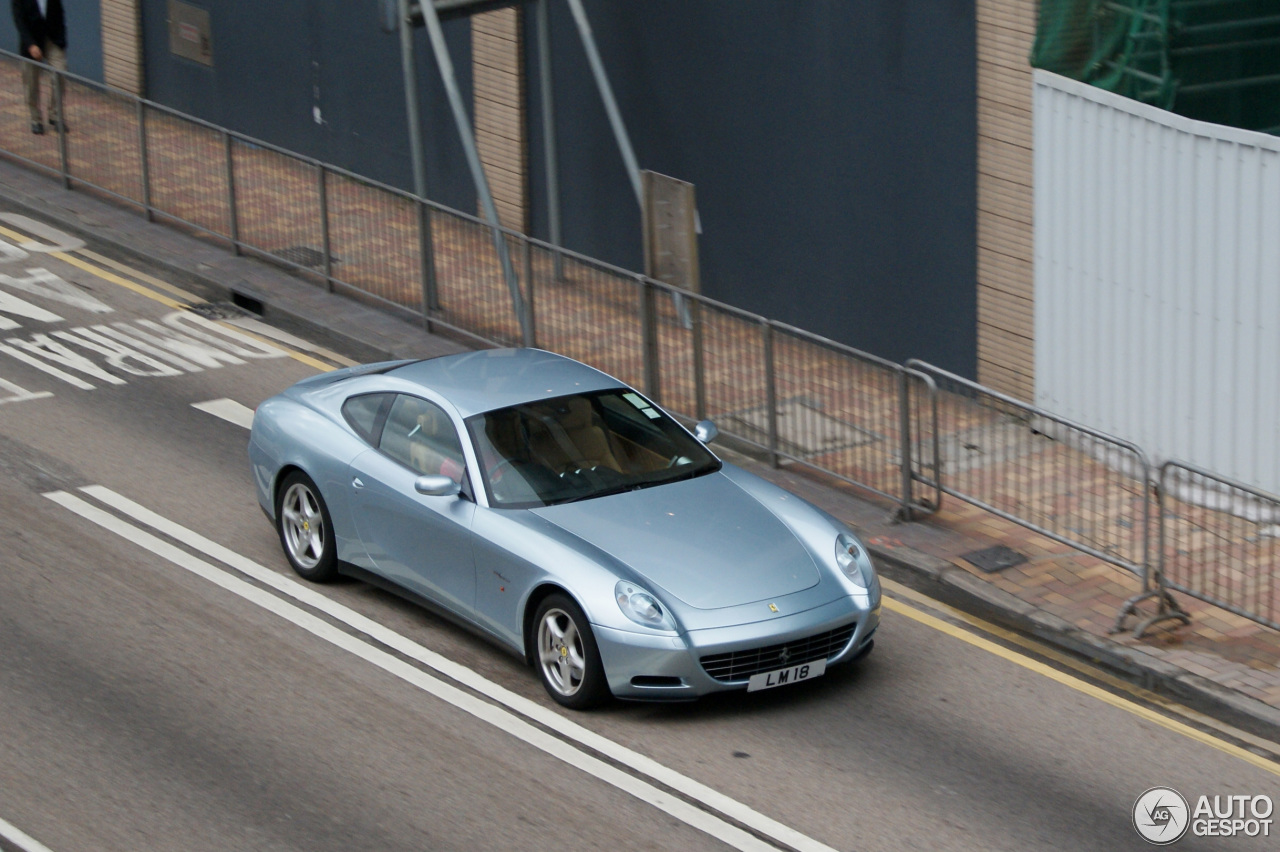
point(705, 541)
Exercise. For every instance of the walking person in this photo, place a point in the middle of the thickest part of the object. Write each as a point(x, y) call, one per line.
point(42, 36)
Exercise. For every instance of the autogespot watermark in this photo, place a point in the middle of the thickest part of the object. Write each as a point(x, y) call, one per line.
point(1162, 816)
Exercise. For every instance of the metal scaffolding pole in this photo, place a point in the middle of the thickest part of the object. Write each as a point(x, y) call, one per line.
point(610, 104)
point(549, 132)
point(460, 117)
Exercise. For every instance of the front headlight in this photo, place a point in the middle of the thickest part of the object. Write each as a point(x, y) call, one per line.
point(854, 561)
point(641, 607)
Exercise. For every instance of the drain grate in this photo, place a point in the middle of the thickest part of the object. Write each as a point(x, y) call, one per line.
point(803, 429)
point(308, 256)
point(993, 559)
point(219, 310)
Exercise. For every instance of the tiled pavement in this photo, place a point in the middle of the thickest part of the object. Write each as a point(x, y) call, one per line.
point(1058, 593)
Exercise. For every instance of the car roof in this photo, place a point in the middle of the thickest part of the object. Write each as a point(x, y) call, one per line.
point(497, 378)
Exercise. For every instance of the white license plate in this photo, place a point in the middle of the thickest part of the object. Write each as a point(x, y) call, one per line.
point(783, 677)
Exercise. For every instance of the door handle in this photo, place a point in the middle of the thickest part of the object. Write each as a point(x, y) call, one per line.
point(356, 483)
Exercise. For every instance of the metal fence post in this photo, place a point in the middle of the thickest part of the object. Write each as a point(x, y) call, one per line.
point(904, 437)
point(770, 391)
point(233, 218)
point(699, 362)
point(325, 245)
point(529, 329)
point(147, 209)
point(649, 337)
point(426, 264)
point(60, 107)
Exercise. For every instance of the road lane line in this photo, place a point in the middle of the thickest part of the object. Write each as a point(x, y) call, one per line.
point(257, 326)
point(498, 716)
point(21, 839)
point(1038, 648)
point(228, 409)
point(116, 279)
point(189, 298)
point(1080, 685)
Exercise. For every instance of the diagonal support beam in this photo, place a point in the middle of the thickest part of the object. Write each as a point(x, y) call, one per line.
point(460, 117)
point(606, 93)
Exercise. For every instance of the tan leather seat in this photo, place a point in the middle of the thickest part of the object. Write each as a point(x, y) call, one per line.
point(570, 437)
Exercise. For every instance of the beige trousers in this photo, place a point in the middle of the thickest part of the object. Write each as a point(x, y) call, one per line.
point(31, 72)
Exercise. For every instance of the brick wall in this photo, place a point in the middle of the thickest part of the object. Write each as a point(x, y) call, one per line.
point(1006, 316)
point(498, 60)
point(122, 45)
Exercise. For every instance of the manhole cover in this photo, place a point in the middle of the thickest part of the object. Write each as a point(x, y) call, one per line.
point(992, 559)
point(308, 256)
point(803, 429)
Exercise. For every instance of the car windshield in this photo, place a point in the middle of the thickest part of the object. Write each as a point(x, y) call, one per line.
point(581, 447)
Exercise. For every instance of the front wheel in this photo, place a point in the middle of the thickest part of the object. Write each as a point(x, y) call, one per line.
point(306, 533)
point(567, 658)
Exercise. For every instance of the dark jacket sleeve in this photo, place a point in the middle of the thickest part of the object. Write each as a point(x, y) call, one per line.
point(22, 21)
point(32, 29)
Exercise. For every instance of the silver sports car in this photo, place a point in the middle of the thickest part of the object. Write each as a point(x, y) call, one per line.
point(562, 514)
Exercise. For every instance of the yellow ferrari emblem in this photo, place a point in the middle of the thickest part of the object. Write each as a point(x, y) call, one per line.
point(773, 607)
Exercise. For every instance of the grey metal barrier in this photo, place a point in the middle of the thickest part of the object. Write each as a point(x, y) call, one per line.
point(1219, 541)
point(1063, 480)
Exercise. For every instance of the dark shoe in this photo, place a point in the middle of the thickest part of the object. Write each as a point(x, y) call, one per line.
point(59, 125)
point(37, 128)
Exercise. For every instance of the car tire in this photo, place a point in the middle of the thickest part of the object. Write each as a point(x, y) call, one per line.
point(566, 655)
point(299, 511)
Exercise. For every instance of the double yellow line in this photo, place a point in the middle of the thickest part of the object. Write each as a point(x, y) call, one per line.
point(1138, 705)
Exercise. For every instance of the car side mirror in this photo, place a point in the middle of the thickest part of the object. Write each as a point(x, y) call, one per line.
point(706, 431)
point(436, 486)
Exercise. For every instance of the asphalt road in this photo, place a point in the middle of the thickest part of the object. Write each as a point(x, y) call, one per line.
point(160, 690)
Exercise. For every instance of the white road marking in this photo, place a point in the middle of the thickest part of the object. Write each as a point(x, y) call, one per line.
point(21, 839)
point(228, 409)
point(306, 594)
point(19, 394)
point(497, 716)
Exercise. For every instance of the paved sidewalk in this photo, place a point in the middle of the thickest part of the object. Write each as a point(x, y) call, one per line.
point(1220, 663)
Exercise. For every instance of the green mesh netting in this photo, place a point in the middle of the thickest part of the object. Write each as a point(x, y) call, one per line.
point(1215, 60)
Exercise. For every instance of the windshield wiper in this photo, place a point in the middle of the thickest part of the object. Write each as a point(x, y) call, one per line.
point(606, 492)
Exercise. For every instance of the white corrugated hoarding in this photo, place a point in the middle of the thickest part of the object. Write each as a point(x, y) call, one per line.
point(1157, 279)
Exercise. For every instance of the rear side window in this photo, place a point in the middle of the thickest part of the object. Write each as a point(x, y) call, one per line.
point(366, 413)
point(420, 435)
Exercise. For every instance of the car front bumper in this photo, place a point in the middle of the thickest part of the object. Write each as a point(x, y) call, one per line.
point(653, 667)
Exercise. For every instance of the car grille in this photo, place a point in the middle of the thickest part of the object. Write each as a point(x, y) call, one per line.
point(740, 665)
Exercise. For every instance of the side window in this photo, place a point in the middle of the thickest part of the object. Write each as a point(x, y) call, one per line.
point(419, 434)
point(362, 413)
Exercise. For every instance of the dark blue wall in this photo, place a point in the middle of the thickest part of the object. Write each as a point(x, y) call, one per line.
point(84, 36)
point(275, 62)
point(832, 145)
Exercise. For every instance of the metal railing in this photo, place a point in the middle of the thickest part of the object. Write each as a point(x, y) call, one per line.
point(907, 433)
point(1220, 542)
point(1063, 480)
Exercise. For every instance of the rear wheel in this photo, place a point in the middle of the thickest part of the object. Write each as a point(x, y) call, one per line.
point(566, 654)
point(306, 533)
